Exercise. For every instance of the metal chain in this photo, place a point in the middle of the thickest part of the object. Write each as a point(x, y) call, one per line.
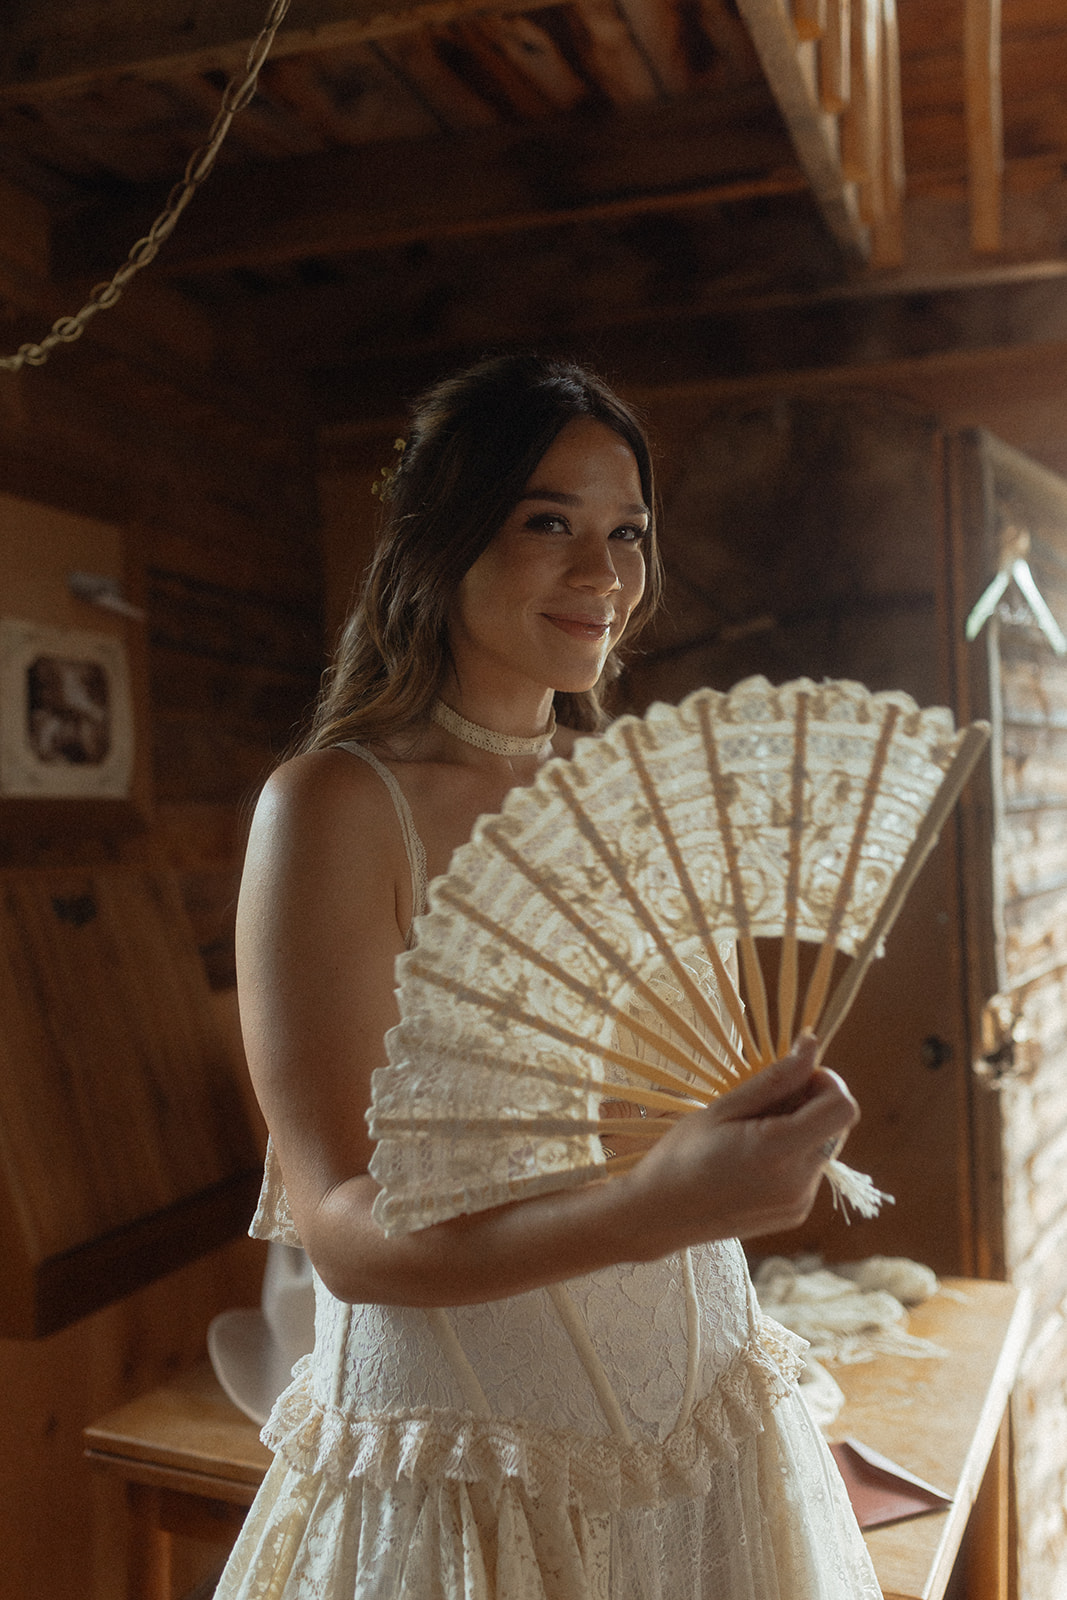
point(237, 95)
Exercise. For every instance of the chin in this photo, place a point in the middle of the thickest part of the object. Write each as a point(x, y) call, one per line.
point(577, 683)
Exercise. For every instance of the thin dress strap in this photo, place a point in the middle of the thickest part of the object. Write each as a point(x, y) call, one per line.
point(413, 845)
point(273, 1218)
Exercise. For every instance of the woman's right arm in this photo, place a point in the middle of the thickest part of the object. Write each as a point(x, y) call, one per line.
point(318, 937)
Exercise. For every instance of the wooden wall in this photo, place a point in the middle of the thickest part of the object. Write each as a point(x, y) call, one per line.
point(1024, 684)
point(215, 499)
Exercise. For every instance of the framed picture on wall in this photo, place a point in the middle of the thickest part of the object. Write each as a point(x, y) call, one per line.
point(66, 714)
point(75, 735)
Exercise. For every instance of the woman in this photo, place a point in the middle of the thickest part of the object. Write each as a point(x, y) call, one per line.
point(574, 1397)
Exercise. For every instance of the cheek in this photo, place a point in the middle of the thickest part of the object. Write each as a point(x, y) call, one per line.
point(635, 579)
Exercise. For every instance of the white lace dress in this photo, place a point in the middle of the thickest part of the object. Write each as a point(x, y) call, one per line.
point(635, 1434)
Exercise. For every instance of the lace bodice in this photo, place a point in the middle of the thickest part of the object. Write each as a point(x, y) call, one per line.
point(634, 1434)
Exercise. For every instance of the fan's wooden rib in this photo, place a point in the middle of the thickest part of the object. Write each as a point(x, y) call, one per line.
point(697, 998)
point(685, 1071)
point(632, 1094)
point(727, 989)
point(651, 1099)
point(553, 1030)
point(649, 1129)
point(787, 971)
point(650, 1132)
point(973, 743)
point(820, 978)
point(758, 995)
point(712, 1072)
point(756, 990)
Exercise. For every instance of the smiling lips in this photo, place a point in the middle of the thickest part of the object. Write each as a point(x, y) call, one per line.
point(580, 627)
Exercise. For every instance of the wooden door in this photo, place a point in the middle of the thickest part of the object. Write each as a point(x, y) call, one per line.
point(808, 535)
point(1014, 891)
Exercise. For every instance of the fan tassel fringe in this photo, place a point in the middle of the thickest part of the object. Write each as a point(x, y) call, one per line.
point(854, 1191)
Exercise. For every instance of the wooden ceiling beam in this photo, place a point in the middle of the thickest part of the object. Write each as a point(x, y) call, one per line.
point(697, 153)
point(48, 50)
point(526, 288)
point(744, 347)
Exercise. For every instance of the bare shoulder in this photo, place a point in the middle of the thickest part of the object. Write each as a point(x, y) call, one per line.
point(325, 824)
point(319, 784)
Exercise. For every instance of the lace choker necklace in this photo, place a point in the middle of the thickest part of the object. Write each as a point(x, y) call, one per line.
point(498, 744)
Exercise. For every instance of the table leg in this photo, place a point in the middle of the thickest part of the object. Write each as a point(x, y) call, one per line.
point(148, 1569)
point(987, 1545)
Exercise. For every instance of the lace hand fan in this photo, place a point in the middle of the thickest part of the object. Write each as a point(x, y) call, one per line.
point(579, 947)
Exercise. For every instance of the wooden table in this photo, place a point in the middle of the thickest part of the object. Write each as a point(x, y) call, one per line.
point(191, 1462)
point(944, 1419)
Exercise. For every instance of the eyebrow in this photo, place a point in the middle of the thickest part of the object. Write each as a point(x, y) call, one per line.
point(559, 497)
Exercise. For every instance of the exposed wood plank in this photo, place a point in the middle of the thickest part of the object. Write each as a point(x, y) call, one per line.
point(612, 54)
point(535, 56)
point(417, 61)
point(838, 336)
point(521, 94)
point(458, 293)
point(730, 38)
point(49, 55)
point(834, 58)
point(985, 137)
point(870, 40)
point(891, 92)
point(382, 106)
point(689, 154)
point(809, 18)
point(814, 134)
point(887, 240)
point(656, 27)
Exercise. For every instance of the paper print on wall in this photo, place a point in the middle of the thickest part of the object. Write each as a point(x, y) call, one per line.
point(66, 714)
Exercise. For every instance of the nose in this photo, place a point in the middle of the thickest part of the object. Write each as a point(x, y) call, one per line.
point(593, 566)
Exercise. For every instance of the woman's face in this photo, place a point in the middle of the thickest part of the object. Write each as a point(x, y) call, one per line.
point(548, 599)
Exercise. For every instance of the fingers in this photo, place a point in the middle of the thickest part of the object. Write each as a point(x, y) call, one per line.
point(751, 1162)
point(805, 1112)
point(829, 1113)
point(779, 1088)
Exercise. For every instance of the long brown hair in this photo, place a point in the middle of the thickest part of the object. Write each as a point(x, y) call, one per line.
point(475, 441)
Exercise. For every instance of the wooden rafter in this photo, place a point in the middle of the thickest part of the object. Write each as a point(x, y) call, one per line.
point(48, 51)
point(835, 58)
point(985, 139)
point(813, 131)
point(493, 181)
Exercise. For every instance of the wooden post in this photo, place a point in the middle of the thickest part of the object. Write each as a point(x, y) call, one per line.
point(861, 124)
point(148, 1566)
point(985, 131)
point(887, 244)
point(834, 58)
point(809, 18)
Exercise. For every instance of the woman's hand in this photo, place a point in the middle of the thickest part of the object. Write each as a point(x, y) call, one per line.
point(749, 1163)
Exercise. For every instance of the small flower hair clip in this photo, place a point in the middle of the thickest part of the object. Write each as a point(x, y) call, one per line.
point(383, 483)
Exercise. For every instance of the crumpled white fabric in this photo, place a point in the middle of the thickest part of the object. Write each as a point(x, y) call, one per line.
point(851, 1312)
